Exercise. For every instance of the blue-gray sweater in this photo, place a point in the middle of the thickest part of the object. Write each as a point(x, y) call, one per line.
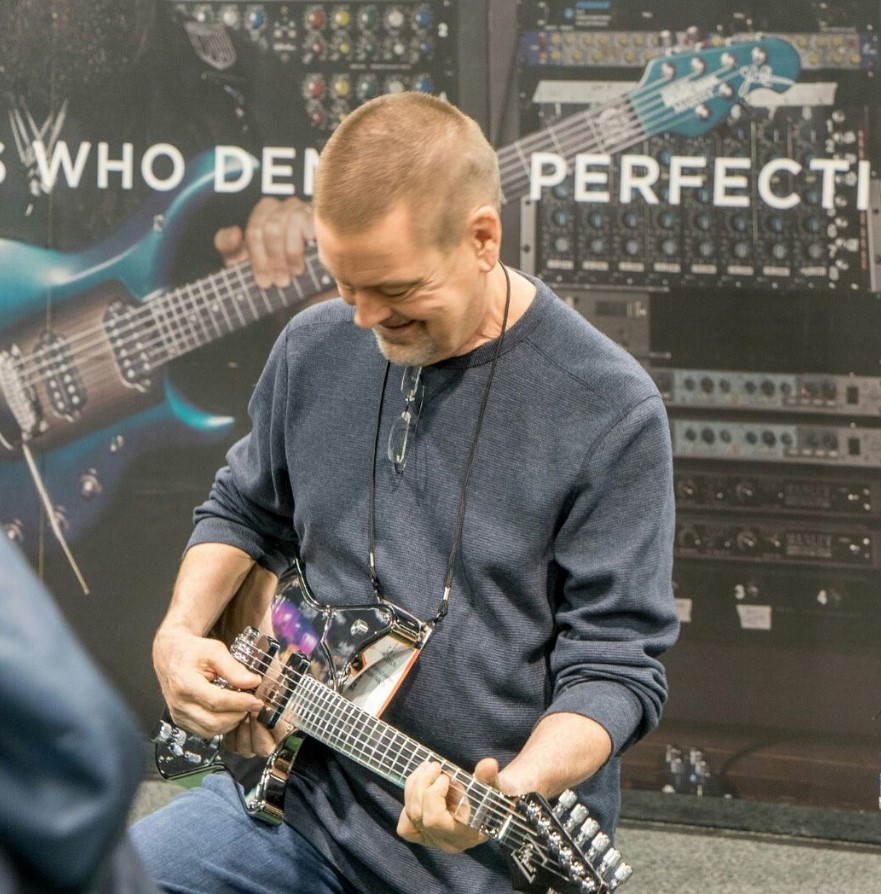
point(561, 599)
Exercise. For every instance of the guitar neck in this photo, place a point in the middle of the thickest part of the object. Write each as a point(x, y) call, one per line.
point(203, 311)
point(325, 715)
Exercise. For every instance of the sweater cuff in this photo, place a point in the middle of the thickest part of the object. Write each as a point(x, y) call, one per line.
point(216, 530)
point(612, 705)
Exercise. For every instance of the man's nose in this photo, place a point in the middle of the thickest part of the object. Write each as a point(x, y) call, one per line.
point(370, 309)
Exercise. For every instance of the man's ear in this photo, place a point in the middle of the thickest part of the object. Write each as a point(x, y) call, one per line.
point(485, 231)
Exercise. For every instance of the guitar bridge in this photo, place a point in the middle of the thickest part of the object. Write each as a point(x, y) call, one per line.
point(20, 410)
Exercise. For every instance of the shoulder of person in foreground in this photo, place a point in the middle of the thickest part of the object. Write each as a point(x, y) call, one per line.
point(71, 753)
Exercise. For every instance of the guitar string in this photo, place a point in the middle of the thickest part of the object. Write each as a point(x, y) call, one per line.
point(332, 702)
point(225, 289)
point(358, 742)
point(330, 699)
point(570, 129)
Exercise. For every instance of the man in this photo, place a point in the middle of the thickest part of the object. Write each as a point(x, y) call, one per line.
point(528, 455)
point(71, 754)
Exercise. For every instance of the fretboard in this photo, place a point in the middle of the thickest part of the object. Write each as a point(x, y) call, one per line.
point(325, 715)
point(203, 311)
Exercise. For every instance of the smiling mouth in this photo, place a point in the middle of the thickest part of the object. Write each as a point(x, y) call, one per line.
point(391, 328)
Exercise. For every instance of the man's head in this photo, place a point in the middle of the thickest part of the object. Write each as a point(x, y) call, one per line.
point(406, 214)
point(407, 148)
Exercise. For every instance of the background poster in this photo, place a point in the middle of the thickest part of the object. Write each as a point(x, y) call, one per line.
point(728, 238)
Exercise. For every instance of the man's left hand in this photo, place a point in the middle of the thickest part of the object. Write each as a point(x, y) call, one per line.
point(436, 808)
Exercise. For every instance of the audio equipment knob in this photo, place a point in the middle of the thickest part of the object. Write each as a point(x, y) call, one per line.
point(256, 19)
point(669, 248)
point(746, 540)
point(229, 15)
point(632, 247)
point(744, 491)
point(598, 246)
point(561, 217)
point(562, 244)
point(315, 17)
point(394, 18)
point(707, 385)
point(708, 436)
point(341, 18)
point(342, 86)
point(686, 488)
point(395, 85)
point(313, 87)
point(368, 17)
point(596, 220)
point(742, 250)
point(367, 87)
point(90, 485)
point(424, 17)
point(630, 219)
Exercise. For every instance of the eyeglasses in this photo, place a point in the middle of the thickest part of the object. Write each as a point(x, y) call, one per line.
point(404, 428)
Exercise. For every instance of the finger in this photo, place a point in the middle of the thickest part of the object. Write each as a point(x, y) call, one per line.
point(255, 240)
point(215, 660)
point(230, 244)
point(487, 770)
point(414, 793)
point(299, 229)
point(435, 813)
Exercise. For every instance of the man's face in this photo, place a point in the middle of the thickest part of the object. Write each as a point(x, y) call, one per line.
point(424, 304)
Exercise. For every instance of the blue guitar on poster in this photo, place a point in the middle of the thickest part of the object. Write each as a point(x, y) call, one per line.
point(86, 336)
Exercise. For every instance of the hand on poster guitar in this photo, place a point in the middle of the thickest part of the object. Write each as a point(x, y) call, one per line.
point(273, 240)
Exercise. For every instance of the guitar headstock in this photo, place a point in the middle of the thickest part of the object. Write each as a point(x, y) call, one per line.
point(691, 92)
point(566, 851)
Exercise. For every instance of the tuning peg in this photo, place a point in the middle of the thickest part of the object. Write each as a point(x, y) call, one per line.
point(564, 802)
point(610, 860)
point(589, 828)
point(598, 844)
point(578, 815)
point(587, 886)
point(622, 873)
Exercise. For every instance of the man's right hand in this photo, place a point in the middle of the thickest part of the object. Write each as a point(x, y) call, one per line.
point(187, 665)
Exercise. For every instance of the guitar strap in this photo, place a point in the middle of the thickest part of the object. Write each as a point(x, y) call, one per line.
point(460, 517)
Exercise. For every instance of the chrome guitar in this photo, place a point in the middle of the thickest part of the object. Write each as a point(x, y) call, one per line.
point(327, 673)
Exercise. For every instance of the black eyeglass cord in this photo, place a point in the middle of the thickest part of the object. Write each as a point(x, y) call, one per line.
point(460, 515)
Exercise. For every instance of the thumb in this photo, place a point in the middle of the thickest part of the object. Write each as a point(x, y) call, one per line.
point(487, 770)
point(233, 671)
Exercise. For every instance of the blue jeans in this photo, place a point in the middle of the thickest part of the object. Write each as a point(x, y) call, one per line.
point(204, 842)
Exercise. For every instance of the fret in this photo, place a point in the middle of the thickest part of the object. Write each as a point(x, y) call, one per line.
point(247, 292)
point(210, 304)
point(598, 140)
point(165, 334)
point(193, 317)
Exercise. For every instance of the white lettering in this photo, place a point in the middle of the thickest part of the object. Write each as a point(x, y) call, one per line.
point(232, 160)
point(830, 167)
point(764, 183)
point(177, 167)
point(123, 165)
point(537, 176)
point(723, 181)
point(310, 166)
point(270, 169)
point(643, 183)
point(585, 177)
point(679, 179)
point(48, 168)
point(864, 175)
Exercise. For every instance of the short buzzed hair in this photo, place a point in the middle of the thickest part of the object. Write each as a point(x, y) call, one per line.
point(408, 147)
